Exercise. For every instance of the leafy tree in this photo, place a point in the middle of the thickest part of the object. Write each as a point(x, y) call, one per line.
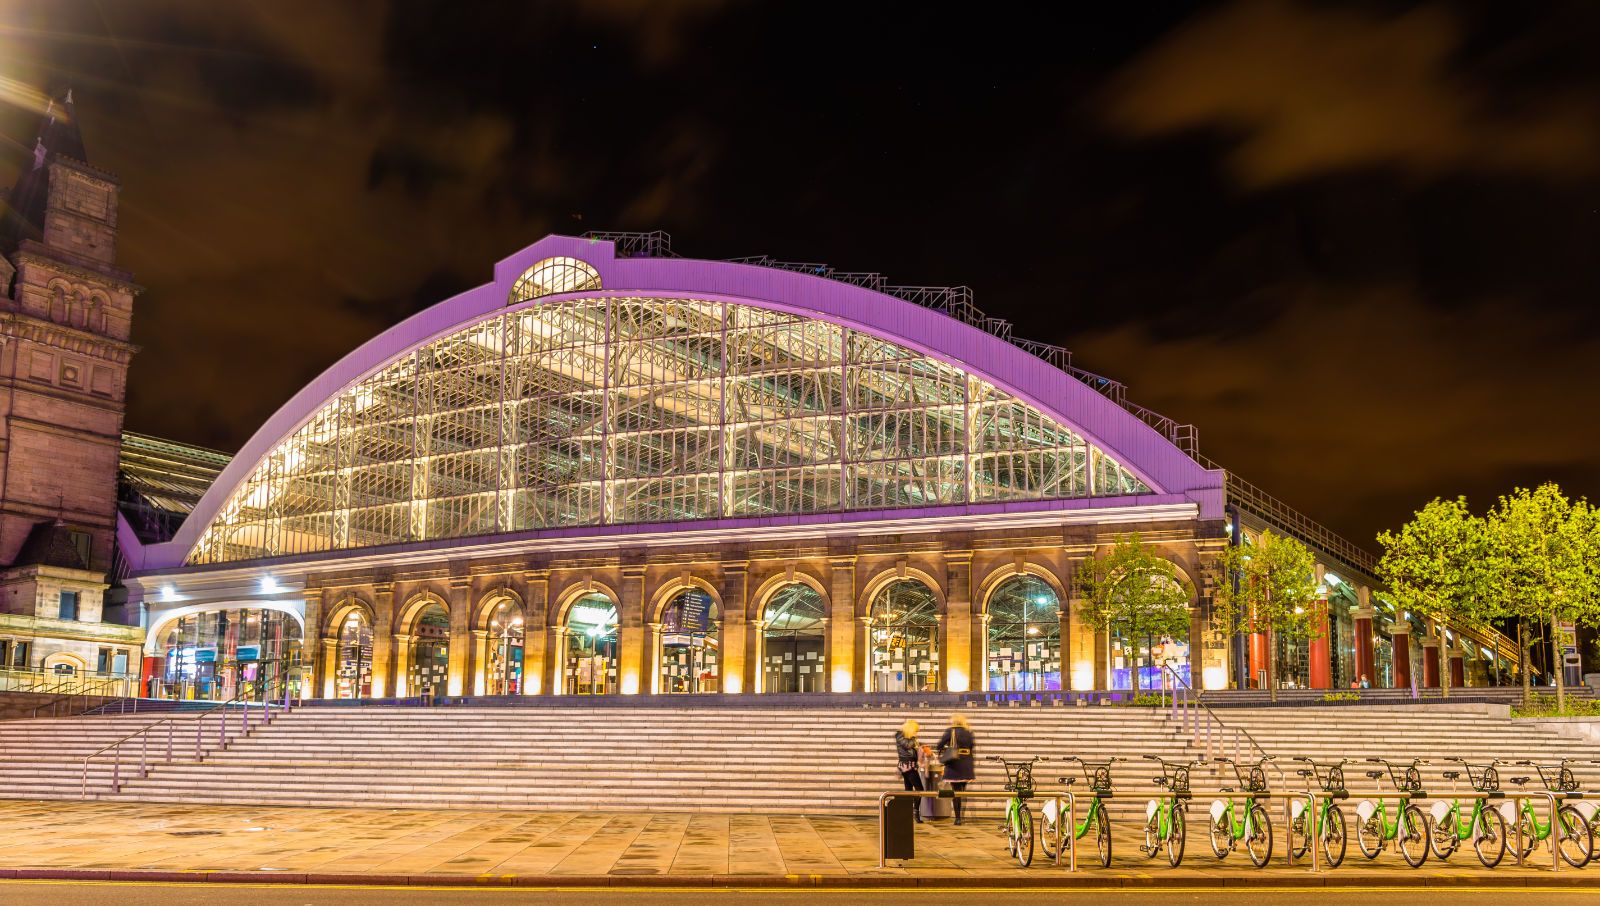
point(1273, 595)
point(1435, 567)
point(1542, 549)
point(1137, 590)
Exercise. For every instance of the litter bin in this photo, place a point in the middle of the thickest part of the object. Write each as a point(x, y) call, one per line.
point(899, 831)
point(932, 807)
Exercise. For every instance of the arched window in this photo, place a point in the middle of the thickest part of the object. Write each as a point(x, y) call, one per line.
point(1024, 636)
point(553, 276)
point(429, 670)
point(1148, 653)
point(792, 641)
point(219, 655)
point(503, 672)
point(690, 643)
point(589, 663)
point(904, 634)
point(353, 676)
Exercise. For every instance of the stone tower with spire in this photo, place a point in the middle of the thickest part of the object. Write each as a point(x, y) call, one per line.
point(65, 313)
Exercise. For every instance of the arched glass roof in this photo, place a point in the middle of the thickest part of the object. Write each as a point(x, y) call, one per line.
point(646, 409)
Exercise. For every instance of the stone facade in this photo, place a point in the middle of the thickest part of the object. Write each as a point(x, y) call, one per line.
point(963, 568)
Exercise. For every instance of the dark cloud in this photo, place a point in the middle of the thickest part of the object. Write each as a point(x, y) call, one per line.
point(1353, 243)
point(1302, 89)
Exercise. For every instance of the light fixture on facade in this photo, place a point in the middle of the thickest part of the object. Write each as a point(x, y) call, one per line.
point(168, 593)
point(270, 586)
point(1332, 579)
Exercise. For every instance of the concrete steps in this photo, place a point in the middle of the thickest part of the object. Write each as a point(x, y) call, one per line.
point(798, 760)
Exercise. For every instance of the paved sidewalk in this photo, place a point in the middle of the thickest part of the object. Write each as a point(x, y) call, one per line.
point(116, 841)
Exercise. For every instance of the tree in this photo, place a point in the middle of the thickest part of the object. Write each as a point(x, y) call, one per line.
point(1273, 595)
point(1137, 590)
point(1435, 567)
point(1542, 547)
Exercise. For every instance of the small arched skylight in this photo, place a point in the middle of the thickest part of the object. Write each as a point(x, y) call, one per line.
point(552, 276)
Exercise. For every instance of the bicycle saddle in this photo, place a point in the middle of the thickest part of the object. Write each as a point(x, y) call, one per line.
point(1159, 781)
point(1069, 781)
point(1374, 775)
point(1519, 781)
point(1225, 789)
point(1451, 775)
point(1303, 772)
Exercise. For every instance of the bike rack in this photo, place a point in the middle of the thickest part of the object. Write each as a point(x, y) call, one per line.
point(1318, 796)
point(1064, 840)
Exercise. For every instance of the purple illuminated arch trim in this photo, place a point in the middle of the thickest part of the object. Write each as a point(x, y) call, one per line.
point(1133, 444)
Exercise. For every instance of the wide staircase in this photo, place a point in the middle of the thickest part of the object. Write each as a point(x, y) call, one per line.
point(818, 760)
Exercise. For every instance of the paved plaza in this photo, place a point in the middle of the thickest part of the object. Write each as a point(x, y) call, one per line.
point(98, 840)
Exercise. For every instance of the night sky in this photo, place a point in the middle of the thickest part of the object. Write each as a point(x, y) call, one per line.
point(1356, 244)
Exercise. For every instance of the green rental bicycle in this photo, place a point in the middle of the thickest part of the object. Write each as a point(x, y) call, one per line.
point(1575, 844)
point(1019, 820)
point(1163, 816)
point(1244, 820)
point(1484, 826)
point(1097, 774)
point(1407, 828)
point(1328, 825)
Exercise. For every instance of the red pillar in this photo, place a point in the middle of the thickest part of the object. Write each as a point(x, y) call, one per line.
point(1258, 656)
point(1321, 665)
point(152, 668)
point(1430, 663)
point(1458, 669)
point(1401, 634)
point(1366, 666)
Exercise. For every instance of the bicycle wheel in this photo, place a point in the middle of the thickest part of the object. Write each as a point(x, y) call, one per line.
point(1333, 836)
point(1412, 839)
point(1577, 847)
point(1049, 834)
point(1024, 835)
point(1369, 835)
point(1258, 842)
point(1489, 837)
point(1444, 837)
point(1152, 835)
point(1299, 837)
point(1175, 837)
point(1222, 835)
point(1530, 834)
point(1102, 836)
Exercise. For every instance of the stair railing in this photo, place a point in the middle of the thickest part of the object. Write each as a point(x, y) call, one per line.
point(227, 730)
point(1197, 720)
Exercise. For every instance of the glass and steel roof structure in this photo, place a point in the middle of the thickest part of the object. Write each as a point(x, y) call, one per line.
point(582, 390)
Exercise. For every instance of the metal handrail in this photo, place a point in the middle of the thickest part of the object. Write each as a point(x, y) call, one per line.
point(199, 719)
point(1187, 712)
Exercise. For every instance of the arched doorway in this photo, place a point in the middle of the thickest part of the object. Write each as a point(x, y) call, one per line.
point(904, 638)
point(589, 666)
point(353, 671)
point(503, 666)
point(218, 655)
point(792, 641)
point(1024, 650)
point(429, 668)
point(690, 643)
point(1149, 653)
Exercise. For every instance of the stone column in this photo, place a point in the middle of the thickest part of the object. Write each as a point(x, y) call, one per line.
point(755, 664)
point(1068, 640)
point(827, 652)
point(844, 665)
point(1400, 636)
point(1258, 657)
point(736, 673)
point(480, 661)
point(630, 630)
point(1366, 664)
point(980, 651)
point(461, 665)
point(556, 637)
point(404, 651)
point(1430, 663)
point(329, 666)
point(536, 637)
point(383, 640)
point(654, 634)
point(964, 643)
point(864, 647)
point(313, 667)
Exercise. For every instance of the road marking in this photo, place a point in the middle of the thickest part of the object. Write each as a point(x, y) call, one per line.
point(853, 891)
